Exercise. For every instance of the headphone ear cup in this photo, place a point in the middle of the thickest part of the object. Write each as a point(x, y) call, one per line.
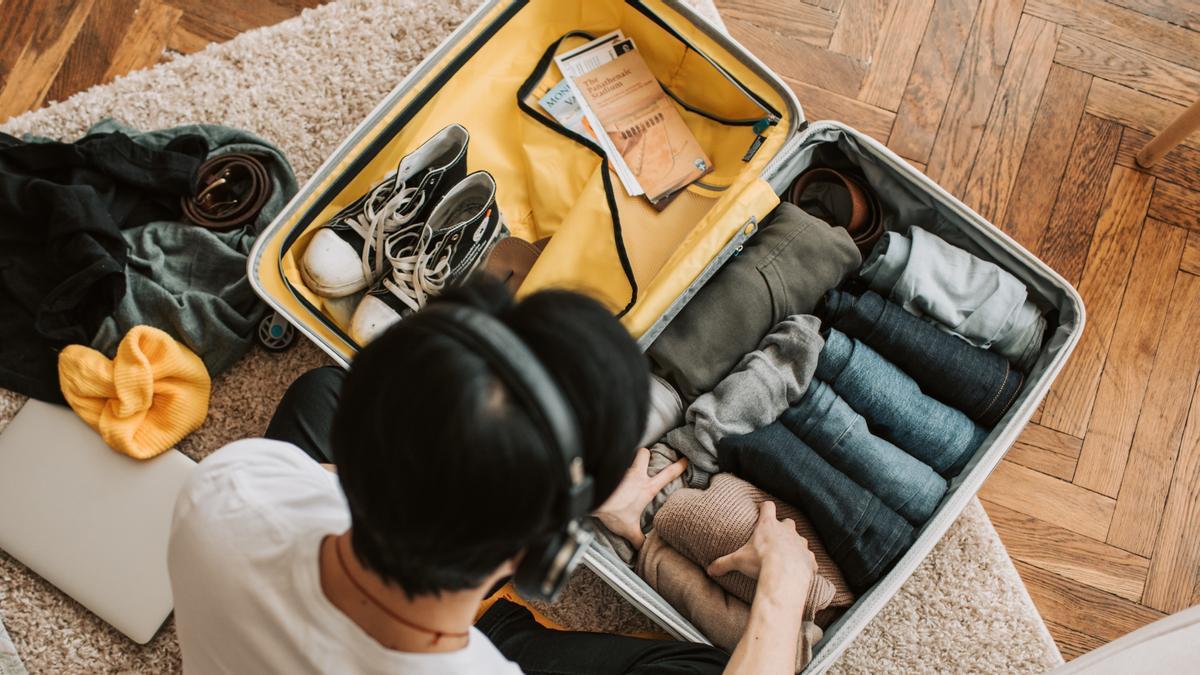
point(548, 563)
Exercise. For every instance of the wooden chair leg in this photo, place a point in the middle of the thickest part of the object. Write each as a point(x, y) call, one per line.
point(1168, 138)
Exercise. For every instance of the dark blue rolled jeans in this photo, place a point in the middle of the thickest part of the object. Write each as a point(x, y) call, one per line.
point(828, 425)
point(981, 383)
point(863, 536)
point(894, 406)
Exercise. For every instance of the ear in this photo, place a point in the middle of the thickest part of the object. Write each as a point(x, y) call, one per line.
point(505, 570)
point(509, 567)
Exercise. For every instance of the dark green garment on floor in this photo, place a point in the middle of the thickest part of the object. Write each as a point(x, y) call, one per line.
point(190, 281)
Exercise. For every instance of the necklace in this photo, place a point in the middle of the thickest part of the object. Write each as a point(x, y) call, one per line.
point(437, 634)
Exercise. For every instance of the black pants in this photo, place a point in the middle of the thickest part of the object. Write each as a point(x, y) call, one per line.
point(304, 418)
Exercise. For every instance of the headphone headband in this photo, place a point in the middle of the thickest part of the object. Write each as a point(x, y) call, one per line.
point(537, 394)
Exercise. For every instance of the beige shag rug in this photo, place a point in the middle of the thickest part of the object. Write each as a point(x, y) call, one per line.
point(304, 84)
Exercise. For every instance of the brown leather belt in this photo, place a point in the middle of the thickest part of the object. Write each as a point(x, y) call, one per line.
point(865, 223)
point(230, 191)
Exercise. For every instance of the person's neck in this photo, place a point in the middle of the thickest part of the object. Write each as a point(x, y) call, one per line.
point(374, 605)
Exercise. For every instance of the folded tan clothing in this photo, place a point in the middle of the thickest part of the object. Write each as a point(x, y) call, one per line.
point(719, 615)
point(704, 525)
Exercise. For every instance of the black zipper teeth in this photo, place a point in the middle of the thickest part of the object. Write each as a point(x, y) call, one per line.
point(641, 7)
point(524, 92)
point(716, 118)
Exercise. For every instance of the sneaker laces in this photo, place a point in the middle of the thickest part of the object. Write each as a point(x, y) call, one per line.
point(422, 274)
point(389, 206)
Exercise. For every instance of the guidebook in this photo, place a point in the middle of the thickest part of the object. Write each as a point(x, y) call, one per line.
point(643, 125)
point(609, 94)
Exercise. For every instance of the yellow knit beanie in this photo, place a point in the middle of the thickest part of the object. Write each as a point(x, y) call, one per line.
point(146, 399)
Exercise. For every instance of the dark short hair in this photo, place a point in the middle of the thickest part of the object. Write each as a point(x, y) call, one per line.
point(446, 475)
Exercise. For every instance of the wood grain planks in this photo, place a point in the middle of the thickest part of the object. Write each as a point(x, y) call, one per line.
point(1135, 109)
point(1181, 165)
point(220, 20)
point(826, 105)
point(1074, 556)
point(1160, 427)
point(1191, 254)
point(1176, 564)
point(1082, 608)
point(1123, 26)
point(101, 36)
point(974, 89)
point(801, 61)
point(1130, 359)
point(828, 5)
point(1184, 13)
point(1011, 119)
point(860, 26)
point(1046, 450)
point(1072, 643)
point(1176, 204)
point(928, 86)
point(1045, 160)
point(797, 20)
point(894, 54)
point(146, 39)
point(1055, 501)
point(1068, 406)
point(1130, 67)
point(34, 70)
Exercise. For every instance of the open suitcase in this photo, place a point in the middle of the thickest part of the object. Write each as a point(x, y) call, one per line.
point(645, 265)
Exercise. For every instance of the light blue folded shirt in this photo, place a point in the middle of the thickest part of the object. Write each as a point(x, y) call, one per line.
point(972, 298)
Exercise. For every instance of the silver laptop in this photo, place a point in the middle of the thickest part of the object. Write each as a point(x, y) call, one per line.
point(90, 521)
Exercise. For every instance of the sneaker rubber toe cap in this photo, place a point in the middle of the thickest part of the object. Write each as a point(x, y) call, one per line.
point(372, 317)
point(331, 267)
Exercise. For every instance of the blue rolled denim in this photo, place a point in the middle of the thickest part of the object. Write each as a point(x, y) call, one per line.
point(895, 407)
point(981, 383)
point(970, 296)
point(839, 434)
point(863, 536)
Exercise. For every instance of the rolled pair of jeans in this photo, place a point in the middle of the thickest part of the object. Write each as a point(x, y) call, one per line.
point(895, 407)
point(863, 536)
point(825, 422)
point(972, 297)
point(981, 383)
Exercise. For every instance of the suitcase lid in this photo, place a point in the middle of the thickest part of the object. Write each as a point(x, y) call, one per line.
point(272, 271)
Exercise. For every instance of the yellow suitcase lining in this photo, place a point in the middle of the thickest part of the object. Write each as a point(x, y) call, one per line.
point(552, 183)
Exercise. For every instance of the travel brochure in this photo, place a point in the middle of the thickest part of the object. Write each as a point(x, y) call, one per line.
point(609, 95)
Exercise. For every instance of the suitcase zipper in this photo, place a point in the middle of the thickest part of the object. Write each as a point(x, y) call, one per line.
point(766, 107)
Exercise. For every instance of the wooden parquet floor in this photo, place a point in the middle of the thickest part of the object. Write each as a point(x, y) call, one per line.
point(1029, 110)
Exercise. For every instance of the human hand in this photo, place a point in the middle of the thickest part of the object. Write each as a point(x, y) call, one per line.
point(776, 555)
point(622, 511)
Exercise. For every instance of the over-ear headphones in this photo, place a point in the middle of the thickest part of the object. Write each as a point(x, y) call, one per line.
point(548, 562)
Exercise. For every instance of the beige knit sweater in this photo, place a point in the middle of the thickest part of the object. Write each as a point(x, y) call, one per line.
point(718, 614)
point(704, 525)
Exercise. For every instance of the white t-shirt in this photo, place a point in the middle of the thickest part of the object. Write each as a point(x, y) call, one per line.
point(244, 569)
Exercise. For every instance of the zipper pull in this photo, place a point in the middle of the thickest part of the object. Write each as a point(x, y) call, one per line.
point(758, 128)
point(764, 124)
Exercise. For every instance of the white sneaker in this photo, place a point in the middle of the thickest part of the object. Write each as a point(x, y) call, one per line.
point(460, 232)
point(346, 254)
